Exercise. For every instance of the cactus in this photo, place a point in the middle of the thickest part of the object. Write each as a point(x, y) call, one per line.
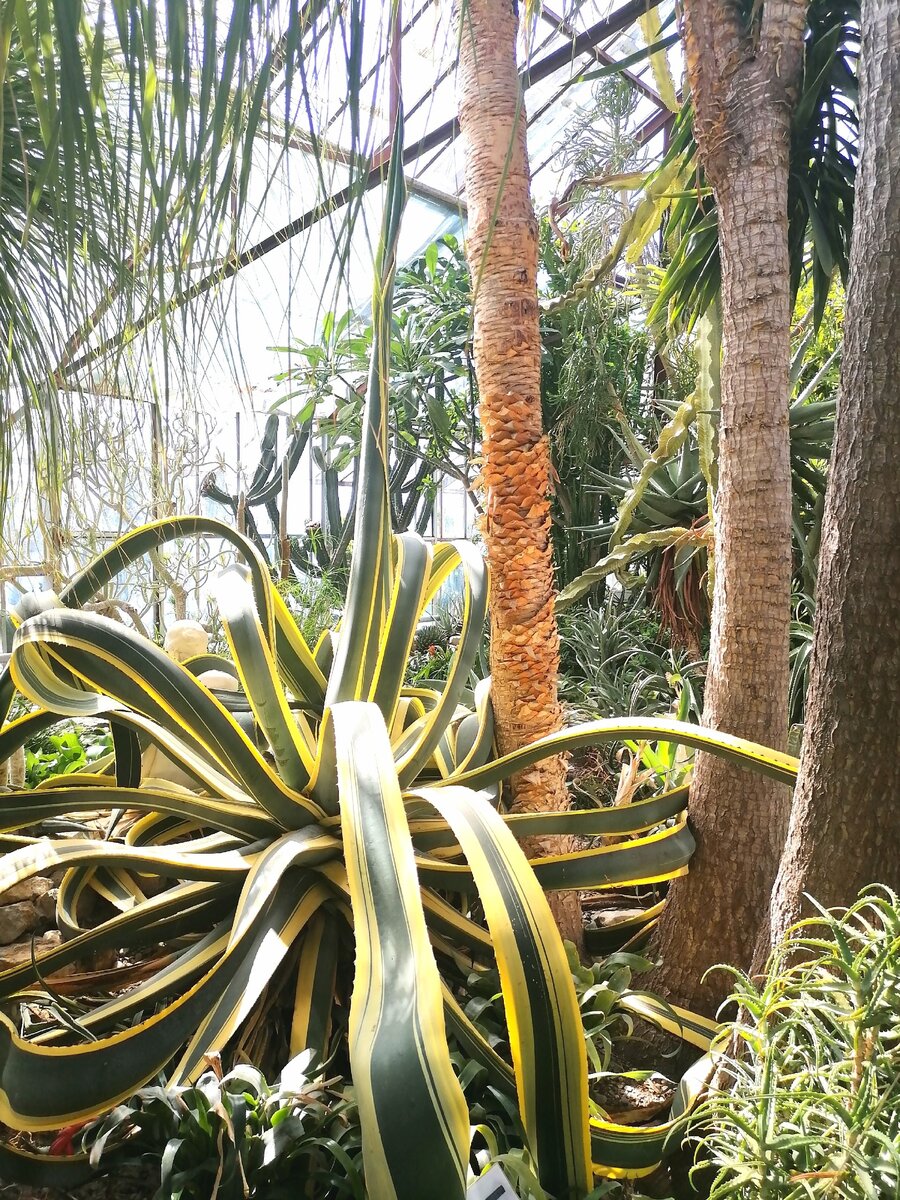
point(266, 484)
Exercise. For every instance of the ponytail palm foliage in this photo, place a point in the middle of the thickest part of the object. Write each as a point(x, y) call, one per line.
point(367, 842)
point(127, 134)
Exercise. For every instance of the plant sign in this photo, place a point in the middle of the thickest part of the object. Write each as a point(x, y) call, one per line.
point(493, 1185)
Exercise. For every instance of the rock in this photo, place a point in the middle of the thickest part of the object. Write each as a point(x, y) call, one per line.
point(19, 954)
point(610, 917)
point(12, 771)
point(27, 889)
point(218, 681)
point(157, 766)
point(46, 905)
point(186, 639)
point(16, 919)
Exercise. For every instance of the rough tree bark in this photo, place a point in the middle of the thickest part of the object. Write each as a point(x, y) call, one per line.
point(502, 251)
point(844, 830)
point(742, 85)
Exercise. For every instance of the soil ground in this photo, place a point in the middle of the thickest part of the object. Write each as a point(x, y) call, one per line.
point(124, 1184)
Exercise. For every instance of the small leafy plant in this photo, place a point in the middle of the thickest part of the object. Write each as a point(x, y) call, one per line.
point(73, 748)
point(599, 987)
point(236, 1137)
point(814, 1110)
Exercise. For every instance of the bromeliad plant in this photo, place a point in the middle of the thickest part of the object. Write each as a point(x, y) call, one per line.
point(367, 841)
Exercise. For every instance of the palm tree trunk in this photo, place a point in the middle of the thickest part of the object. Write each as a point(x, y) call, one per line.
point(844, 832)
point(742, 97)
point(502, 250)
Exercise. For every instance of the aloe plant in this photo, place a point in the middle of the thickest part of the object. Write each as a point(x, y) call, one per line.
point(812, 1106)
point(368, 842)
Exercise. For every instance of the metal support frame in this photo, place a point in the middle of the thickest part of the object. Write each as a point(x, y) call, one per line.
point(579, 45)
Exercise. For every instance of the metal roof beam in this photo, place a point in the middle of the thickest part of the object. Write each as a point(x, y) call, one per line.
point(534, 73)
point(584, 43)
point(602, 56)
point(653, 125)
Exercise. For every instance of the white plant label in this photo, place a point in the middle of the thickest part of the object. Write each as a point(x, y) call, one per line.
point(492, 1186)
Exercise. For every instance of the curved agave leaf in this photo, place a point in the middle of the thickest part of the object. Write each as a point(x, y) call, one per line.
point(69, 794)
point(596, 822)
point(314, 994)
point(294, 657)
point(629, 1152)
point(546, 1035)
point(175, 912)
point(414, 1116)
point(259, 677)
point(411, 571)
point(475, 597)
point(45, 1087)
point(45, 1170)
point(782, 767)
point(651, 859)
point(369, 588)
point(243, 991)
point(116, 663)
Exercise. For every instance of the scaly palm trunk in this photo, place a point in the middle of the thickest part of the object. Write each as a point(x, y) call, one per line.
point(502, 250)
point(844, 833)
point(742, 84)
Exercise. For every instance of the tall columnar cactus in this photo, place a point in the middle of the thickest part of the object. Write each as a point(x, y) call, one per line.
point(267, 483)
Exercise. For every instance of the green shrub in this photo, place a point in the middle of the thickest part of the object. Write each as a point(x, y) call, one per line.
point(74, 746)
point(238, 1137)
point(315, 604)
point(615, 659)
point(815, 1105)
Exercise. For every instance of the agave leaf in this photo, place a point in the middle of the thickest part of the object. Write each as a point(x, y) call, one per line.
point(414, 1116)
point(773, 763)
point(671, 438)
point(651, 29)
point(314, 995)
point(635, 546)
point(369, 588)
point(253, 656)
point(49, 1087)
point(117, 664)
point(546, 1036)
point(629, 1152)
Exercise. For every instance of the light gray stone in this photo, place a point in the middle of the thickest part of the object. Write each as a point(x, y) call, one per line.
point(26, 889)
point(19, 954)
point(46, 905)
point(16, 919)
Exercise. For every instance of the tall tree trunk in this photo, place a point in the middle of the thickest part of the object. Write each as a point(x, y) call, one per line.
point(742, 83)
point(844, 831)
point(502, 250)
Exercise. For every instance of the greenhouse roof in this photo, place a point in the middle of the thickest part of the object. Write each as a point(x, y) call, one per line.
point(305, 244)
point(304, 257)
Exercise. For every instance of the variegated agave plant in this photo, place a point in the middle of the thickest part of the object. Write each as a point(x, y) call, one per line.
point(374, 808)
